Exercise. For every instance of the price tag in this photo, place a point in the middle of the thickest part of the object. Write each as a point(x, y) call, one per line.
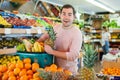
point(28, 31)
point(110, 30)
point(94, 31)
point(111, 78)
point(39, 31)
point(113, 40)
point(7, 31)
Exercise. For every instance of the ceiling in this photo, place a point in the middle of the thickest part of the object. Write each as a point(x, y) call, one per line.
point(85, 7)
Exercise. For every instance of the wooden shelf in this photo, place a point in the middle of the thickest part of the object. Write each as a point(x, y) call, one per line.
point(20, 31)
point(8, 51)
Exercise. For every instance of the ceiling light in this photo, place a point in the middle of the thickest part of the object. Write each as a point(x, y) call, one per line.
point(100, 5)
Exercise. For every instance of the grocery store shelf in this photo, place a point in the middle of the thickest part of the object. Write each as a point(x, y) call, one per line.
point(111, 30)
point(8, 51)
point(112, 40)
point(20, 31)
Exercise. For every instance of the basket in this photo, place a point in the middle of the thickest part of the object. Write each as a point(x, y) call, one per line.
point(43, 58)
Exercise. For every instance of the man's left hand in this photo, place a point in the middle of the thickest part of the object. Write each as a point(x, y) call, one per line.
point(48, 49)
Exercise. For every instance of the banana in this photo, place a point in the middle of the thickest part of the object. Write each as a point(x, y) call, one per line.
point(33, 50)
point(36, 47)
point(42, 48)
point(28, 45)
point(39, 46)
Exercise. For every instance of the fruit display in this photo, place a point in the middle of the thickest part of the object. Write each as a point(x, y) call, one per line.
point(38, 47)
point(21, 70)
point(111, 24)
point(111, 71)
point(9, 42)
point(25, 70)
point(4, 23)
point(6, 59)
point(30, 46)
point(87, 72)
point(16, 21)
point(21, 47)
point(53, 72)
point(114, 36)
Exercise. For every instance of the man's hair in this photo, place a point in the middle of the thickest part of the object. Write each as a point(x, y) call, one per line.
point(68, 6)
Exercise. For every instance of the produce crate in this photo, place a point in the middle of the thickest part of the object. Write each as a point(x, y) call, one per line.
point(106, 64)
point(111, 64)
point(43, 58)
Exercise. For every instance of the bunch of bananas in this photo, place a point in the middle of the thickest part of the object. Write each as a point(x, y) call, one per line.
point(4, 22)
point(38, 47)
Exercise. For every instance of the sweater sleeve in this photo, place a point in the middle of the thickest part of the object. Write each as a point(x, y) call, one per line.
point(75, 47)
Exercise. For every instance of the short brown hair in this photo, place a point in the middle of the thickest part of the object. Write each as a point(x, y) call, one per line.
point(68, 6)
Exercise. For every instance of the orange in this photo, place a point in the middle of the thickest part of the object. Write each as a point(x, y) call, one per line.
point(5, 76)
point(10, 73)
point(68, 72)
point(24, 77)
point(53, 66)
point(11, 66)
point(3, 68)
point(12, 78)
point(23, 72)
point(47, 69)
point(28, 65)
point(60, 69)
point(19, 64)
point(30, 72)
point(27, 60)
point(1, 74)
point(16, 71)
point(18, 77)
point(36, 75)
point(37, 78)
point(53, 69)
point(30, 77)
point(35, 66)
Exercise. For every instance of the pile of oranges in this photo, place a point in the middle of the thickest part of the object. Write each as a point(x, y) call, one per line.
point(25, 70)
point(22, 70)
point(53, 68)
point(111, 71)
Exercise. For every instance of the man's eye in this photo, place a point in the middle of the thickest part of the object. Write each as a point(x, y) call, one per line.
point(64, 14)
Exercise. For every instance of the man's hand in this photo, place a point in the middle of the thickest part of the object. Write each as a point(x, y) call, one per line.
point(48, 49)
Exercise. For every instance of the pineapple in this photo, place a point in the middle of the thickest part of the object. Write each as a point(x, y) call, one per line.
point(45, 75)
point(60, 76)
point(87, 72)
point(52, 35)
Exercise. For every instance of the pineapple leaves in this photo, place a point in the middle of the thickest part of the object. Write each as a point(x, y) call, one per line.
point(90, 55)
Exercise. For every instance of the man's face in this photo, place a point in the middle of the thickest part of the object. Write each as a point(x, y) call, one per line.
point(67, 17)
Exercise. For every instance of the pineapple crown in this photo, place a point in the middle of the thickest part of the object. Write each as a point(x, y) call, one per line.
point(44, 74)
point(51, 32)
point(90, 55)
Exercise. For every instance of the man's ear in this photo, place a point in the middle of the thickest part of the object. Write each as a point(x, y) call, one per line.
point(75, 17)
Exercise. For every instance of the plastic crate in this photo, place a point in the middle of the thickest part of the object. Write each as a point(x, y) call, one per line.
point(43, 59)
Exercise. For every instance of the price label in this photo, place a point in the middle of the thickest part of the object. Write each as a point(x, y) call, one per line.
point(39, 31)
point(113, 40)
point(28, 31)
point(7, 31)
point(110, 30)
point(94, 31)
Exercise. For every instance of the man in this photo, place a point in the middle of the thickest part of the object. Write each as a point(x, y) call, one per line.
point(68, 42)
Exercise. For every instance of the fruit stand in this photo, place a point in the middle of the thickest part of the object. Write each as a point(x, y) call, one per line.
point(30, 63)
